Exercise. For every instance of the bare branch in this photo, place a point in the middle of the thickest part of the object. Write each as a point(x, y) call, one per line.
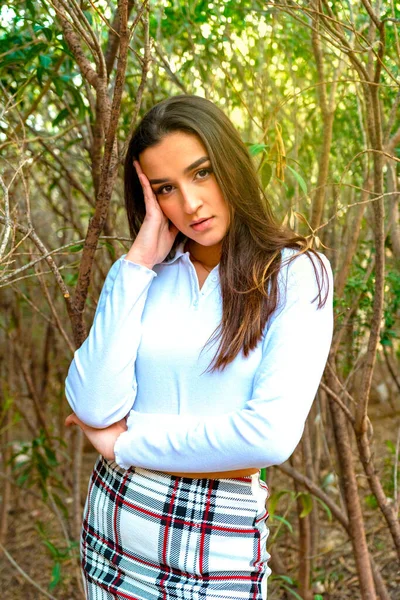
point(25, 575)
point(74, 43)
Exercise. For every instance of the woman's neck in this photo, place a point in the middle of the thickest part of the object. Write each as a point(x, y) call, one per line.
point(209, 256)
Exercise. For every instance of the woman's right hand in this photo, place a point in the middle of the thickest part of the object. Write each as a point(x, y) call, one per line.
point(157, 234)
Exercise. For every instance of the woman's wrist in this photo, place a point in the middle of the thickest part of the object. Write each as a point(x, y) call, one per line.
point(135, 258)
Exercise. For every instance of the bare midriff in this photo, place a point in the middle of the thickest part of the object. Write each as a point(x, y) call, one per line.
point(217, 475)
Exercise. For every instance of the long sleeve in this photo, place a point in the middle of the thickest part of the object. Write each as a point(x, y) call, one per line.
point(268, 428)
point(100, 385)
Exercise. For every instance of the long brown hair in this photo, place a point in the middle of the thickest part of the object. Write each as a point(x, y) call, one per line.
point(251, 249)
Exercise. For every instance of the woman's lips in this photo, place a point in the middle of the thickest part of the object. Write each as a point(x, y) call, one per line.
point(203, 225)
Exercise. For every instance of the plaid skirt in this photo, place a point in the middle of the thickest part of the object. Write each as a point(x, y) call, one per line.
point(149, 535)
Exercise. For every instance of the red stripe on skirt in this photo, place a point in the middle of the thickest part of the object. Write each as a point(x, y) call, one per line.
point(204, 527)
point(164, 553)
point(117, 505)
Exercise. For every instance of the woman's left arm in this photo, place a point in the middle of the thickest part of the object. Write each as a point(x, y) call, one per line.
point(269, 427)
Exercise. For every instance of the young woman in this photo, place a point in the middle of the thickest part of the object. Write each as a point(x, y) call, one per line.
point(176, 508)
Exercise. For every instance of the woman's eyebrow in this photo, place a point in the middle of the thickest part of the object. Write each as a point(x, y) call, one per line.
point(196, 163)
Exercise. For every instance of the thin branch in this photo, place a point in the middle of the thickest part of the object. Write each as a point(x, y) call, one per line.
point(76, 24)
point(57, 319)
point(139, 95)
point(24, 574)
point(31, 304)
point(81, 17)
point(371, 13)
point(74, 43)
point(396, 494)
point(7, 219)
point(46, 255)
point(338, 401)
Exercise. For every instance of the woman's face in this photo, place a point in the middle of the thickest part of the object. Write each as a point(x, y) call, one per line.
point(185, 186)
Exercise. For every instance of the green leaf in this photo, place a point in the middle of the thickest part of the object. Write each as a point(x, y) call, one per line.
point(70, 278)
point(63, 114)
point(22, 478)
point(38, 28)
point(40, 528)
point(60, 505)
point(65, 48)
point(306, 500)
point(48, 33)
point(51, 457)
point(42, 467)
point(110, 247)
point(329, 479)
point(89, 17)
point(274, 498)
point(325, 507)
point(59, 86)
point(286, 578)
point(80, 105)
point(266, 174)
point(76, 248)
point(87, 213)
point(370, 501)
point(34, 51)
point(39, 75)
point(295, 594)
point(55, 576)
point(284, 521)
point(45, 61)
point(51, 547)
point(31, 7)
point(255, 149)
point(299, 179)
point(390, 446)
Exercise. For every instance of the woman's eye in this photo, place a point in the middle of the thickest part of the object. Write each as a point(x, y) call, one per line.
point(166, 189)
point(162, 189)
point(206, 171)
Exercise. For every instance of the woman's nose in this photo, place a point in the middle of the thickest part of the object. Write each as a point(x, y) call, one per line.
point(191, 201)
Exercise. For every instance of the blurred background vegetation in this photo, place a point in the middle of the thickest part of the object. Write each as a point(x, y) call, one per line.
point(314, 89)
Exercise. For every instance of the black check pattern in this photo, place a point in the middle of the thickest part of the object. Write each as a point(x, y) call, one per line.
point(152, 536)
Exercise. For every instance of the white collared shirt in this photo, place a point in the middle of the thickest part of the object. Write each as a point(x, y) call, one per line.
point(143, 356)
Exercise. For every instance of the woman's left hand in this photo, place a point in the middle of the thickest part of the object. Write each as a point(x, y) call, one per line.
point(102, 439)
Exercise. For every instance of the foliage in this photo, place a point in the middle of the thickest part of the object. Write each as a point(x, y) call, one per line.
point(35, 465)
point(58, 555)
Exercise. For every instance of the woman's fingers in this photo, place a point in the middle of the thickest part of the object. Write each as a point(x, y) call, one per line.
point(149, 196)
point(138, 167)
point(145, 183)
point(70, 420)
point(156, 234)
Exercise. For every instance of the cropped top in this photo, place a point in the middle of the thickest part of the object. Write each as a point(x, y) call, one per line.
point(145, 358)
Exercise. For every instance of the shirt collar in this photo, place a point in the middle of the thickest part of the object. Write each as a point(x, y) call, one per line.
point(179, 251)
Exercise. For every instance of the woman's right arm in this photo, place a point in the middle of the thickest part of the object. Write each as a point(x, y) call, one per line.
point(101, 385)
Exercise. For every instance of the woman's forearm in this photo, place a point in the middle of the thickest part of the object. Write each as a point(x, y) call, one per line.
point(100, 385)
